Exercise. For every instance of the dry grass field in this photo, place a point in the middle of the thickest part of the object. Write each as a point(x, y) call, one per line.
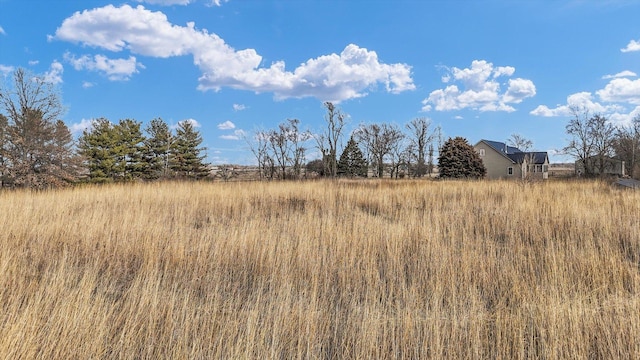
point(321, 270)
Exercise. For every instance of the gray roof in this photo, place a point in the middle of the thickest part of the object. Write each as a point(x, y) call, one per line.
point(628, 183)
point(516, 155)
point(538, 157)
point(502, 147)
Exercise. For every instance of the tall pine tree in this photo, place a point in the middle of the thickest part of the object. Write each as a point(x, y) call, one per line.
point(130, 149)
point(98, 147)
point(157, 148)
point(186, 159)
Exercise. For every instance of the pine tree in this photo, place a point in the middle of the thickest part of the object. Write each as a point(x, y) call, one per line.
point(458, 159)
point(98, 146)
point(156, 149)
point(130, 149)
point(186, 159)
point(352, 162)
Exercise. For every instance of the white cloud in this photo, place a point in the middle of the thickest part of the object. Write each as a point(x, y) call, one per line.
point(166, 2)
point(87, 84)
point(481, 89)
point(54, 75)
point(227, 125)
point(237, 135)
point(621, 90)
point(5, 70)
point(77, 128)
point(632, 46)
point(238, 107)
point(179, 2)
point(621, 74)
point(333, 77)
point(193, 122)
point(114, 69)
point(2, 32)
point(582, 100)
point(218, 2)
point(33, 62)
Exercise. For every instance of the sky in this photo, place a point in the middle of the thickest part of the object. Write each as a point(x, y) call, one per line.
point(480, 69)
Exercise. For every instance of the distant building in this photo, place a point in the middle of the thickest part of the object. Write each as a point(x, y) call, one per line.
point(609, 166)
point(507, 162)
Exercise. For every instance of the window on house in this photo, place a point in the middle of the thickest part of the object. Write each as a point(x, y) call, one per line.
point(510, 170)
point(538, 168)
point(481, 152)
point(545, 168)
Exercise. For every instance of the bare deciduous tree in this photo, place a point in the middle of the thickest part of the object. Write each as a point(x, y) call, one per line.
point(33, 151)
point(627, 146)
point(286, 146)
point(420, 138)
point(591, 142)
point(329, 140)
point(520, 142)
point(379, 140)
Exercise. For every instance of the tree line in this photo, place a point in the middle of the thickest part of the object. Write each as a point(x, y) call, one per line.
point(386, 148)
point(594, 141)
point(37, 149)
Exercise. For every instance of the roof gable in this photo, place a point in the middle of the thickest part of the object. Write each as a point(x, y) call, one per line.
point(502, 147)
point(516, 155)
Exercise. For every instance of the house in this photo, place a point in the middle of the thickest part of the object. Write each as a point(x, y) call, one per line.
point(609, 166)
point(508, 162)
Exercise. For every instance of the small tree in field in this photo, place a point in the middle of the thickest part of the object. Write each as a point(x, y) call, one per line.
point(352, 162)
point(458, 159)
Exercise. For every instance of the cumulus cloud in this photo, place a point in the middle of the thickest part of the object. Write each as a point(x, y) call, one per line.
point(167, 2)
point(87, 84)
point(5, 70)
point(633, 45)
point(238, 107)
point(237, 135)
point(114, 69)
point(33, 62)
point(84, 124)
point(227, 125)
point(481, 89)
point(621, 90)
point(54, 75)
point(180, 2)
point(193, 123)
point(621, 74)
point(584, 101)
point(334, 77)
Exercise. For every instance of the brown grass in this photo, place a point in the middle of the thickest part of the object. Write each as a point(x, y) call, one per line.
point(347, 269)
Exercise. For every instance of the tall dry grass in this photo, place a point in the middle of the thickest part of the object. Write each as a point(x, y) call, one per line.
point(347, 269)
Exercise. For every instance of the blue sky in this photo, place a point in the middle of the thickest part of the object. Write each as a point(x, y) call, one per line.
point(479, 69)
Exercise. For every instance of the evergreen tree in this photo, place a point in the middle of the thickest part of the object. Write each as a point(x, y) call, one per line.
point(98, 145)
point(130, 149)
point(458, 159)
point(352, 162)
point(157, 147)
point(186, 159)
